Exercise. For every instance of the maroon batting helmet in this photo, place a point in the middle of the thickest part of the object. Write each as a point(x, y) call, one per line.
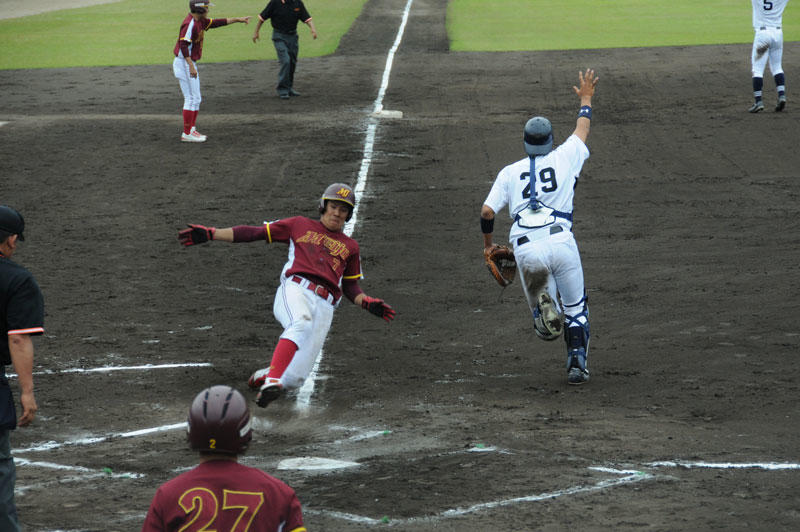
point(338, 192)
point(219, 421)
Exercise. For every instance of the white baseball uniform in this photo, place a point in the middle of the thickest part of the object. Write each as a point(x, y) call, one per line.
point(768, 40)
point(544, 246)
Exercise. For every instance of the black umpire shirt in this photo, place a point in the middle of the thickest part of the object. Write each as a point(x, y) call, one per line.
point(284, 15)
point(21, 305)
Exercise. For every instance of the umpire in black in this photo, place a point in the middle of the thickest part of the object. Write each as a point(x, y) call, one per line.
point(284, 15)
point(21, 316)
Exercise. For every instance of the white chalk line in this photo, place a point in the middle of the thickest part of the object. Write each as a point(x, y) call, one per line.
point(52, 445)
point(107, 369)
point(304, 395)
point(629, 476)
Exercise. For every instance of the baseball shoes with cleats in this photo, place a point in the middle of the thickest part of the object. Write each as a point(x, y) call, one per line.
point(188, 137)
point(284, 96)
point(547, 323)
point(269, 392)
point(576, 367)
point(293, 92)
point(198, 135)
point(756, 107)
point(258, 378)
point(781, 103)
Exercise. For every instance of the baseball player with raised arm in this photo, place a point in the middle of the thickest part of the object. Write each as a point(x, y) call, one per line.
point(188, 51)
point(324, 264)
point(768, 47)
point(538, 191)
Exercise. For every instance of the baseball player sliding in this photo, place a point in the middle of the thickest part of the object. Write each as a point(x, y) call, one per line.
point(323, 265)
point(188, 51)
point(768, 47)
point(539, 192)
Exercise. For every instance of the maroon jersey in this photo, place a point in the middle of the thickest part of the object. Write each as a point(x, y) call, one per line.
point(316, 253)
point(224, 495)
point(192, 32)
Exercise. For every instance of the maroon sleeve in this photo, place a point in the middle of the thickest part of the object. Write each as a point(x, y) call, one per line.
point(217, 22)
point(249, 233)
point(184, 48)
point(351, 288)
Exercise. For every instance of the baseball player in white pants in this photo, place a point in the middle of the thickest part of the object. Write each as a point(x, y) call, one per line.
point(768, 47)
point(538, 191)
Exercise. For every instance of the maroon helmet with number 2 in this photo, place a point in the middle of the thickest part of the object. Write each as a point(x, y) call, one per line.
point(219, 421)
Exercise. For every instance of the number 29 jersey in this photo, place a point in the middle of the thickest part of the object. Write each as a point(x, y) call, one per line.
point(556, 175)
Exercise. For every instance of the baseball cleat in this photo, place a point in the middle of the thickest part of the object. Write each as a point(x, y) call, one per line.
point(547, 322)
point(781, 103)
point(758, 106)
point(258, 378)
point(576, 367)
point(293, 92)
point(284, 96)
point(188, 137)
point(268, 393)
point(198, 135)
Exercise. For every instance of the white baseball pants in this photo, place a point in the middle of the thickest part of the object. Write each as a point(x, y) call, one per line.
point(772, 38)
point(306, 319)
point(190, 87)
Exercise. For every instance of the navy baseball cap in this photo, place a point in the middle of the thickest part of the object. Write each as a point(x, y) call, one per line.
point(11, 221)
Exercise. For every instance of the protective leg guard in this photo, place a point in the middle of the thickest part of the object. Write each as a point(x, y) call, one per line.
point(576, 337)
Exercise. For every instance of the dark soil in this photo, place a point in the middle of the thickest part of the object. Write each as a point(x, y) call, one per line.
point(687, 220)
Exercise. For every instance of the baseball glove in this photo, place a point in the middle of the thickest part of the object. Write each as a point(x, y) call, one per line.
point(501, 264)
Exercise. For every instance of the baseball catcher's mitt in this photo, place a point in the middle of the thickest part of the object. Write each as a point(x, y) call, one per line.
point(501, 264)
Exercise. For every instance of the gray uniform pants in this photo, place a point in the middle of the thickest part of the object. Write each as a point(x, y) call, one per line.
point(287, 47)
point(8, 477)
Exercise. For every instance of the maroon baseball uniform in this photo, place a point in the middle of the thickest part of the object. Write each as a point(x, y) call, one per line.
point(224, 495)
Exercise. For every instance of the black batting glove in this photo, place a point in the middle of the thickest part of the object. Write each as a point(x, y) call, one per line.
point(378, 307)
point(196, 234)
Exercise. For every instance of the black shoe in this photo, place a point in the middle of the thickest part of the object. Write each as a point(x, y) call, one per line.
point(781, 104)
point(268, 393)
point(758, 106)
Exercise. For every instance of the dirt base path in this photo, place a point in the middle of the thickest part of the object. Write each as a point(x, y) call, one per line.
point(459, 418)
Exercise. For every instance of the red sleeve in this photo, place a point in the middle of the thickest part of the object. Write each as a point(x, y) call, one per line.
point(184, 48)
point(351, 288)
point(217, 22)
point(249, 233)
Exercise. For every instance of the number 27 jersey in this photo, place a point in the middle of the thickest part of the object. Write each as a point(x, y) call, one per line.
point(556, 175)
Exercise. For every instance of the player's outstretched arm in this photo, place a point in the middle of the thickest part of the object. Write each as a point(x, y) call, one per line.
point(487, 227)
point(199, 234)
point(588, 82)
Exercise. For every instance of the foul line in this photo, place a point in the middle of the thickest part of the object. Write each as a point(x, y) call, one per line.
point(51, 445)
point(305, 392)
point(106, 369)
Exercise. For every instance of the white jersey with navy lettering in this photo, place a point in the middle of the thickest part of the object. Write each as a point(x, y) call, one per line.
point(768, 13)
point(556, 176)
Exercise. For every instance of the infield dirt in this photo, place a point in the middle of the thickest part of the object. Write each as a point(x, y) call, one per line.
point(686, 216)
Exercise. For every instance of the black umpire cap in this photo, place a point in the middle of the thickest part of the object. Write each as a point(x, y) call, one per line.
point(11, 221)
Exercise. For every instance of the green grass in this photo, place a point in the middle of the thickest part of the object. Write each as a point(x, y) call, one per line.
point(513, 25)
point(143, 32)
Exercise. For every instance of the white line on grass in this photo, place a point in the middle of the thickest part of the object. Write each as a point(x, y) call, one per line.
point(304, 395)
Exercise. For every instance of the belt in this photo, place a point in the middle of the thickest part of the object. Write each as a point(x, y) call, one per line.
point(536, 235)
point(770, 27)
point(318, 289)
